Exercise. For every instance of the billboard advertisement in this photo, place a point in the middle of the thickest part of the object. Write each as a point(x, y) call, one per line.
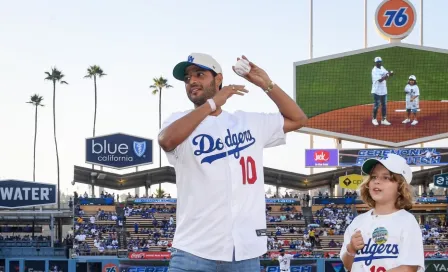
point(321, 157)
point(350, 182)
point(18, 193)
point(390, 95)
point(119, 151)
point(413, 156)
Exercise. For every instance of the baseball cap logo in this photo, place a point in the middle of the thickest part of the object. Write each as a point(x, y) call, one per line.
point(190, 59)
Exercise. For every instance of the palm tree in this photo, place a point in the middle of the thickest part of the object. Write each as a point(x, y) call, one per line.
point(160, 193)
point(56, 76)
point(158, 85)
point(94, 71)
point(36, 101)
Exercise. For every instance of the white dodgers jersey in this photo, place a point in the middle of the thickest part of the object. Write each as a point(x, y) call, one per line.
point(220, 184)
point(379, 88)
point(390, 241)
point(285, 262)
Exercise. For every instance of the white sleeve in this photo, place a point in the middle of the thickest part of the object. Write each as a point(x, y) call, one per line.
point(411, 246)
point(271, 128)
point(176, 154)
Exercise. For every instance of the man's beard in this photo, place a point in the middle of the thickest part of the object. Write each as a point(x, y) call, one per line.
point(207, 93)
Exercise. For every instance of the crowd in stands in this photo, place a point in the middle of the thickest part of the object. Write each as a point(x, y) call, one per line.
point(158, 231)
point(25, 238)
point(104, 235)
point(294, 235)
point(435, 233)
point(322, 234)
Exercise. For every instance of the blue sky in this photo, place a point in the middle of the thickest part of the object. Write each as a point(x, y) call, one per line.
point(134, 41)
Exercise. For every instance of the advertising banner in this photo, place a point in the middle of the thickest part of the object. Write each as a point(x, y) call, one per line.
point(150, 255)
point(18, 193)
point(414, 156)
point(174, 200)
point(297, 266)
point(134, 268)
point(119, 151)
point(321, 157)
point(350, 181)
point(283, 200)
point(436, 265)
point(337, 200)
point(432, 200)
point(96, 201)
point(441, 180)
point(155, 200)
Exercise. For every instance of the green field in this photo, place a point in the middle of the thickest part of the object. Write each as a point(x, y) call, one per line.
point(346, 81)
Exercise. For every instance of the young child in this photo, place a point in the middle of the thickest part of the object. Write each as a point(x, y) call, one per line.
point(387, 237)
point(412, 98)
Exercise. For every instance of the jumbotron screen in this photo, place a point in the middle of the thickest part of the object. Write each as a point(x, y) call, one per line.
point(392, 95)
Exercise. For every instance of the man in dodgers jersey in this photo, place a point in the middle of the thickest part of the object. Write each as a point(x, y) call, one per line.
point(379, 90)
point(285, 260)
point(218, 158)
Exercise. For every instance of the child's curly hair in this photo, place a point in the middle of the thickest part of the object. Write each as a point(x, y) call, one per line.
point(405, 198)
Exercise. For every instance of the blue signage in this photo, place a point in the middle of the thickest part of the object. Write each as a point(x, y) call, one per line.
point(174, 200)
point(441, 180)
point(146, 269)
point(282, 200)
point(155, 200)
point(18, 194)
point(337, 200)
point(119, 151)
point(97, 201)
point(434, 199)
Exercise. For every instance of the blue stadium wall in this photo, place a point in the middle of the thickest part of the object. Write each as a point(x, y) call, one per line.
point(112, 264)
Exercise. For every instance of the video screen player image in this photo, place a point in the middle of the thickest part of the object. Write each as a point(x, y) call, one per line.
point(393, 94)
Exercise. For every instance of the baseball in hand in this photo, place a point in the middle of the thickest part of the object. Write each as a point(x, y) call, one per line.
point(242, 67)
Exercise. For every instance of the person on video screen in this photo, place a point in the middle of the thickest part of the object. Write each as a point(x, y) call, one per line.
point(379, 90)
point(412, 100)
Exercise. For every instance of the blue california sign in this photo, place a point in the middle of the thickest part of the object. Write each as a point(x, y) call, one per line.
point(441, 180)
point(119, 151)
point(18, 193)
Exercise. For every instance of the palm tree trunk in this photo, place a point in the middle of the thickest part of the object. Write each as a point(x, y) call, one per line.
point(56, 142)
point(35, 138)
point(160, 126)
point(34, 162)
point(94, 115)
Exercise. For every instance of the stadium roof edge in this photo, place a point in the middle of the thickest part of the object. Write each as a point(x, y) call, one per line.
point(275, 177)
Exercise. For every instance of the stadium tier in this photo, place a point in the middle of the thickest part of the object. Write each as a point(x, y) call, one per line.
point(314, 231)
point(138, 234)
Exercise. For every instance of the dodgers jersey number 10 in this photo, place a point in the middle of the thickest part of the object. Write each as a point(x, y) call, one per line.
point(220, 181)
